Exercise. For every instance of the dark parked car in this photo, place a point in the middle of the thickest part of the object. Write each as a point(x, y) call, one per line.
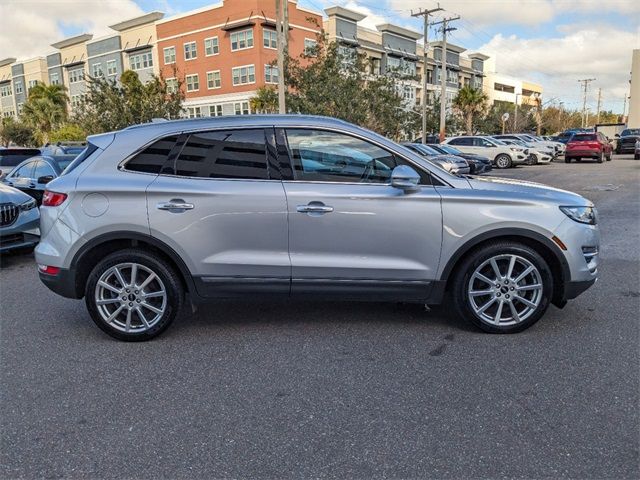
point(627, 140)
point(11, 157)
point(19, 220)
point(477, 163)
point(32, 175)
point(589, 145)
point(450, 163)
point(565, 136)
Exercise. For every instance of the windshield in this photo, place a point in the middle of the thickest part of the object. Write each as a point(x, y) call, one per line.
point(630, 131)
point(424, 149)
point(449, 149)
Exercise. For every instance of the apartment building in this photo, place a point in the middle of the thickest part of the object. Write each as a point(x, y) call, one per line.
point(68, 66)
point(507, 89)
point(224, 52)
point(7, 103)
point(24, 75)
point(394, 48)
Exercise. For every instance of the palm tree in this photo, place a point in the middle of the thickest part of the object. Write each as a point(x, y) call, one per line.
point(265, 101)
point(470, 102)
point(46, 108)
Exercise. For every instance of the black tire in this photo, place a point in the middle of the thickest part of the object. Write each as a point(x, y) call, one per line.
point(609, 157)
point(567, 159)
point(503, 161)
point(462, 277)
point(600, 157)
point(166, 274)
point(636, 156)
point(533, 160)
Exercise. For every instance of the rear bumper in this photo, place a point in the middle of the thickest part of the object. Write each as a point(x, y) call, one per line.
point(63, 283)
point(582, 153)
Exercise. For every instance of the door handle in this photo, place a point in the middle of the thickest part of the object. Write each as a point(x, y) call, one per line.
point(314, 207)
point(175, 204)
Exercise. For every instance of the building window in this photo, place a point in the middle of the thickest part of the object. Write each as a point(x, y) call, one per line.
point(96, 70)
point(193, 83)
point(31, 84)
point(169, 55)
point(172, 85)
point(140, 61)
point(194, 112)
point(270, 74)
point(269, 38)
point(54, 78)
point(190, 51)
point(20, 105)
point(213, 79)
point(241, 108)
point(215, 110)
point(241, 40)
point(310, 46)
point(112, 68)
point(347, 54)
point(375, 66)
point(452, 76)
point(211, 46)
point(76, 75)
point(5, 91)
point(244, 75)
point(76, 100)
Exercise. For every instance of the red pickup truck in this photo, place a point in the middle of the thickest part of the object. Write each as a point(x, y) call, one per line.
point(590, 145)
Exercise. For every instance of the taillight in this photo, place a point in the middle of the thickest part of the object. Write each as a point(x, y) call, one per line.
point(48, 269)
point(53, 199)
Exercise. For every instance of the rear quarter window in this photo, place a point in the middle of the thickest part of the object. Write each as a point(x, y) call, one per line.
point(153, 157)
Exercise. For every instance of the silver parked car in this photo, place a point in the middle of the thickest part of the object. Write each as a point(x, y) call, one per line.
point(298, 206)
point(19, 220)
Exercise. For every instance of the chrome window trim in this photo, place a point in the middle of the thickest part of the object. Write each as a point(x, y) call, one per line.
point(122, 165)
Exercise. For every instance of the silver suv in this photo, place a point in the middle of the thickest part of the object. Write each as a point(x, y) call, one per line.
point(295, 206)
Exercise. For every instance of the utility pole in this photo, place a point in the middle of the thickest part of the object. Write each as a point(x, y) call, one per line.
point(515, 115)
point(282, 36)
point(443, 74)
point(425, 46)
point(585, 83)
point(599, 102)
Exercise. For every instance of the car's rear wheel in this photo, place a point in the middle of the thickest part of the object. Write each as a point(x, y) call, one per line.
point(609, 156)
point(567, 159)
point(503, 288)
point(600, 157)
point(503, 161)
point(636, 156)
point(133, 295)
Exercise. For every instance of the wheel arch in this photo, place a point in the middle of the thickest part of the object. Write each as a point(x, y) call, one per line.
point(541, 244)
point(97, 248)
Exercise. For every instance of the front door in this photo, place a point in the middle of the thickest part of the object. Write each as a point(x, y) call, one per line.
point(352, 234)
point(217, 205)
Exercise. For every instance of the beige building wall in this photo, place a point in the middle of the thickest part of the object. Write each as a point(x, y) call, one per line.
point(137, 37)
point(634, 97)
point(7, 102)
point(35, 70)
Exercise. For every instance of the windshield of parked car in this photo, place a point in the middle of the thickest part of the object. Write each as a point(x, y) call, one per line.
point(449, 149)
point(498, 142)
point(424, 149)
point(630, 131)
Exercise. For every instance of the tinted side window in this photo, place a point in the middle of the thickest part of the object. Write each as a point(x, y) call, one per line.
point(43, 169)
point(335, 157)
point(224, 154)
point(152, 158)
point(462, 141)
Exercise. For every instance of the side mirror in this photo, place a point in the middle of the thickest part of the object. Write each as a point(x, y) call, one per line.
point(45, 179)
point(405, 178)
point(617, 135)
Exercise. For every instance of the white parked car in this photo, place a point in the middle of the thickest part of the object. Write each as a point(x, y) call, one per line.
point(541, 146)
point(536, 156)
point(501, 154)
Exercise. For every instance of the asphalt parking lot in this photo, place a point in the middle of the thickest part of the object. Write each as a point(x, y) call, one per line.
point(276, 390)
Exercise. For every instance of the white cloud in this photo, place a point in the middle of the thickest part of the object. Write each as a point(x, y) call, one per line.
point(29, 27)
point(529, 13)
point(581, 51)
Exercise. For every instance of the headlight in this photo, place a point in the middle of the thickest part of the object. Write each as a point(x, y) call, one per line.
point(28, 205)
point(581, 214)
point(515, 149)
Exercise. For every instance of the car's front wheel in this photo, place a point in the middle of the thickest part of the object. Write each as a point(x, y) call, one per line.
point(503, 288)
point(133, 295)
point(503, 161)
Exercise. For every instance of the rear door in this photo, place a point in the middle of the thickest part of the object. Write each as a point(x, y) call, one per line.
point(220, 204)
point(351, 234)
point(22, 177)
point(464, 144)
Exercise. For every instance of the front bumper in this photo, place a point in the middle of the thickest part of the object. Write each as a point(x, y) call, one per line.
point(23, 233)
point(17, 240)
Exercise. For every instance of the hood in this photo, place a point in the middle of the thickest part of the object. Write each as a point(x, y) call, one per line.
point(12, 195)
point(556, 195)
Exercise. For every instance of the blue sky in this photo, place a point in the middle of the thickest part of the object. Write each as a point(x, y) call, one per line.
point(551, 42)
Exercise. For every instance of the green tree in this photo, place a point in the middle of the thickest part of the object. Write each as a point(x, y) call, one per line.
point(45, 109)
point(265, 101)
point(69, 132)
point(470, 103)
point(338, 83)
point(109, 105)
point(12, 131)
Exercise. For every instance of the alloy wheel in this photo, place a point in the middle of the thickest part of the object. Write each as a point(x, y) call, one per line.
point(505, 290)
point(130, 297)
